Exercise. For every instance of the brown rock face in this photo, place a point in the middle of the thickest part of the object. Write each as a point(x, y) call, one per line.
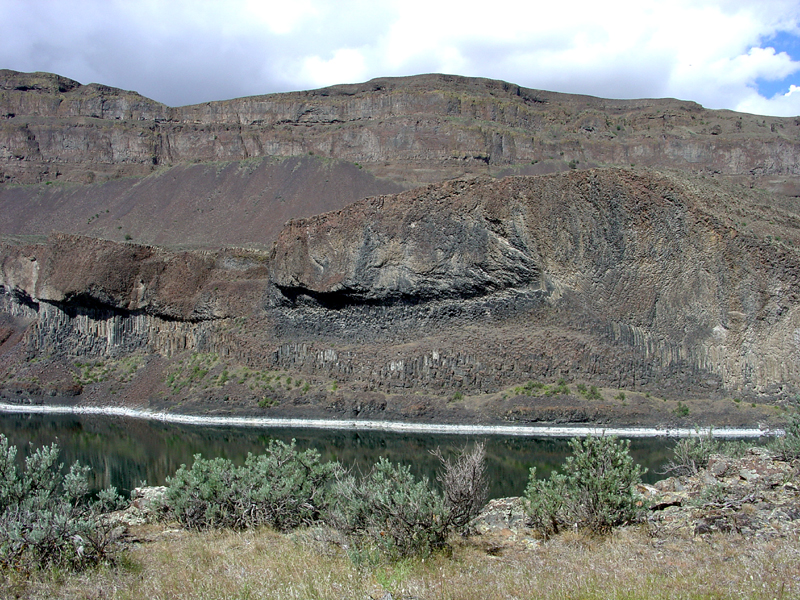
point(678, 276)
point(411, 131)
point(417, 129)
point(623, 277)
point(79, 273)
point(448, 240)
point(647, 259)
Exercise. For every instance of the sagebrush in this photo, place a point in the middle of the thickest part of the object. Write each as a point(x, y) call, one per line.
point(596, 491)
point(390, 511)
point(282, 488)
point(788, 445)
point(692, 454)
point(48, 519)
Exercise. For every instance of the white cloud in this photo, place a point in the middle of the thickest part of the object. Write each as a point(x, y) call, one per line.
point(780, 105)
point(712, 51)
point(278, 16)
point(345, 66)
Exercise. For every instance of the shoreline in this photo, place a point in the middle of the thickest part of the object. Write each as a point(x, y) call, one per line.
point(393, 426)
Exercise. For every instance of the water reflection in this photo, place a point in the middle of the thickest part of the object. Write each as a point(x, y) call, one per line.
point(124, 452)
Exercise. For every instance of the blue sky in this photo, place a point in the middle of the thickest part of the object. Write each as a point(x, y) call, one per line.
point(781, 42)
point(736, 54)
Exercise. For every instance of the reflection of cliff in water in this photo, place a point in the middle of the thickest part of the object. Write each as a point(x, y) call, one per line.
point(125, 452)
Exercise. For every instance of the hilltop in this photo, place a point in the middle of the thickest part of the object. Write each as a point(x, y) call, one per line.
point(106, 160)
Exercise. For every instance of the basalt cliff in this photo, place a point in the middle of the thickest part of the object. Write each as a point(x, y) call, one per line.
point(435, 248)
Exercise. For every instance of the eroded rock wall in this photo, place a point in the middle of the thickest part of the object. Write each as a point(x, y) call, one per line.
point(623, 278)
point(414, 130)
point(636, 261)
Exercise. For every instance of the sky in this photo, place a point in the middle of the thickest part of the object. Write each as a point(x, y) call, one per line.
point(741, 55)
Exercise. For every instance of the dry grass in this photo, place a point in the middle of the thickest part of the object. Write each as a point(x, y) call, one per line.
point(264, 564)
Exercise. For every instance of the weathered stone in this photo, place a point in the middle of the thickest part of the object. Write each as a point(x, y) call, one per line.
point(147, 505)
point(665, 500)
point(647, 491)
point(751, 506)
point(150, 498)
point(717, 466)
point(501, 514)
point(748, 475)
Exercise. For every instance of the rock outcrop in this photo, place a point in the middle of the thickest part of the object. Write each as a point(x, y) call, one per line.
point(622, 278)
point(674, 281)
point(77, 272)
point(754, 496)
point(402, 131)
point(638, 256)
point(427, 127)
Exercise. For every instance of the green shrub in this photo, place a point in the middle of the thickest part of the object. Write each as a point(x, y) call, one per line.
point(282, 488)
point(734, 448)
point(682, 410)
point(594, 393)
point(544, 502)
point(529, 387)
point(596, 490)
point(286, 488)
point(391, 512)
point(788, 445)
point(47, 518)
point(205, 495)
point(692, 454)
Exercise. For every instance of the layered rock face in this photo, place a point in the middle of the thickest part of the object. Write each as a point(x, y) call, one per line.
point(680, 281)
point(426, 128)
point(640, 260)
point(404, 131)
point(625, 278)
point(89, 297)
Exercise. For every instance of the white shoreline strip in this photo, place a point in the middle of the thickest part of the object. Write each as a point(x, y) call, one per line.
point(395, 426)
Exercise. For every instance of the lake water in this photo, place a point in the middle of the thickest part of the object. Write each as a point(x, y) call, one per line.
point(126, 451)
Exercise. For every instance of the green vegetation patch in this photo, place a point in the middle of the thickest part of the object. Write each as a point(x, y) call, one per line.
point(537, 388)
point(47, 517)
point(596, 491)
point(97, 371)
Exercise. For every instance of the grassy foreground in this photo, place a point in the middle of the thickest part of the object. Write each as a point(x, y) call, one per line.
point(631, 564)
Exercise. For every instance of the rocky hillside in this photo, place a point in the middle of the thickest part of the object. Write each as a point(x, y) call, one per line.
point(584, 294)
point(633, 259)
point(464, 300)
point(394, 133)
point(209, 205)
